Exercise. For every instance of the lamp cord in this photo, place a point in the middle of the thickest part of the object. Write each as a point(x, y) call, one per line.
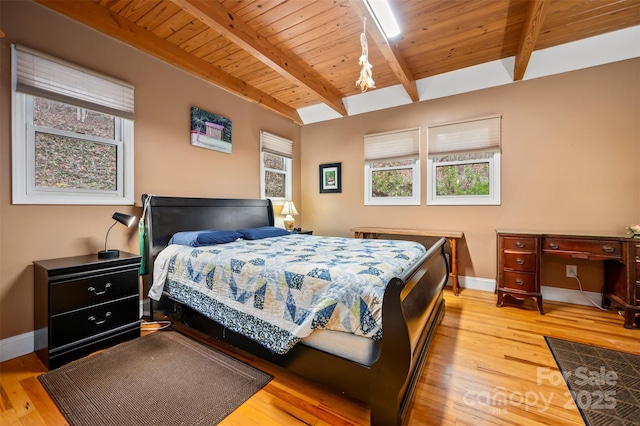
point(150, 325)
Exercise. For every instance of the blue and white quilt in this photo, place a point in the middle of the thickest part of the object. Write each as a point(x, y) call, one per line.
point(278, 290)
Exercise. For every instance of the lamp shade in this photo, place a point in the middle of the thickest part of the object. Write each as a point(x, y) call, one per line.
point(122, 218)
point(125, 219)
point(289, 208)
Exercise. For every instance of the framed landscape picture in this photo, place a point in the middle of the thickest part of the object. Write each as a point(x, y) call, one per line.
point(210, 131)
point(330, 178)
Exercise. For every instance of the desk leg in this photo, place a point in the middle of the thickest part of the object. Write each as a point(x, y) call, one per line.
point(453, 242)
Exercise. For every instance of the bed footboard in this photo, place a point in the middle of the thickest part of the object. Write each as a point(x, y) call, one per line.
point(412, 309)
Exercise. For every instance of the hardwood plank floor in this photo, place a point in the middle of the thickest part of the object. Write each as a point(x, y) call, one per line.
point(487, 366)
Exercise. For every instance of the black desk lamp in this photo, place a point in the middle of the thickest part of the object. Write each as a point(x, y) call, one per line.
point(124, 219)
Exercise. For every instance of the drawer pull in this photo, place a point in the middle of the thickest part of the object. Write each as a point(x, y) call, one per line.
point(554, 246)
point(519, 281)
point(99, 293)
point(608, 249)
point(93, 319)
point(519, 244)
point(519, 261)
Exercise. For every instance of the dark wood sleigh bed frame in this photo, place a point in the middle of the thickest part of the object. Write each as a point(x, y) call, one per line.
point(413, 306)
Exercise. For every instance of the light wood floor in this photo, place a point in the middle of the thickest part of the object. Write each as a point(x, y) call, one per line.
point(488, 366)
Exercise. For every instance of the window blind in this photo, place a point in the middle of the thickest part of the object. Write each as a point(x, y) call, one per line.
point(392, 145)
point(41, 75)
point(481, 134)
point(276, 145)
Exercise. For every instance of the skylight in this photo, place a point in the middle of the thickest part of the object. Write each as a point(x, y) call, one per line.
point(382, 12)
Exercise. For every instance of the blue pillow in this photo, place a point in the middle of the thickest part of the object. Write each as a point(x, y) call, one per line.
point(204, 238)
point(262, 232)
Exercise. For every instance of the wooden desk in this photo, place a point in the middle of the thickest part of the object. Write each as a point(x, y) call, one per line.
point(451, 236)
point(519, 264)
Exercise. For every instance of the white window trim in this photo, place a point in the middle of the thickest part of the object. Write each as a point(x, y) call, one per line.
point(409, 148)
point(282, 147)
point(493, 199)
point(24, 190)
point(288, 165)
point(392, 201)
point(489, 139)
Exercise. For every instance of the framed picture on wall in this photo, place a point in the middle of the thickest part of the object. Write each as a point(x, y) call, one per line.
point(210, 131)
point(330, 178)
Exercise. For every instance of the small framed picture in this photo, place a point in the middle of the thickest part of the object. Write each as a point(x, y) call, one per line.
point(330, 178)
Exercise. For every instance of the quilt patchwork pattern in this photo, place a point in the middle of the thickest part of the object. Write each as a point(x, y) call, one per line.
point(278, 290)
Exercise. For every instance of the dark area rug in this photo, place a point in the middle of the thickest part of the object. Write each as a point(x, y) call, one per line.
point(163, 378)
point(604, 383)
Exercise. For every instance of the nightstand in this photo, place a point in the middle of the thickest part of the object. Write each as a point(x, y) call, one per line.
point(303, 231)
point(83, 304)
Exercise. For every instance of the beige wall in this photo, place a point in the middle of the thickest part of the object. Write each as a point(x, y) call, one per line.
point(570, 156)
point(165, 163)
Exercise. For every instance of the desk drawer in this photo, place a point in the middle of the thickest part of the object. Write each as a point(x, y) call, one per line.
point(521, 244)
point(583, 249)
point(520, 261)
point(520, 281)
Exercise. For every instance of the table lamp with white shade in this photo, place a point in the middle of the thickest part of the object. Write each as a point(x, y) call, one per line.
point(288, 210)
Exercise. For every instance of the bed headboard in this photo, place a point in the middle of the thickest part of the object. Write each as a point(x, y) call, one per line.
point(164, 216)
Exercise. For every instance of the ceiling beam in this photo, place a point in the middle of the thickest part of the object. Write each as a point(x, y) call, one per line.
point(113, 25)
point(530, 32)
point(390, 53)
point(223, 20)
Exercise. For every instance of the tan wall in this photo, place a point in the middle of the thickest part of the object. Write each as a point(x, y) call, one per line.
point(570, 155)
point(165, 163)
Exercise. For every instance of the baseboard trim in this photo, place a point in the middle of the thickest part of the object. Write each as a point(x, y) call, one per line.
point(555, 294)
point(22, 344)
point(568, 295)
point(15, 346)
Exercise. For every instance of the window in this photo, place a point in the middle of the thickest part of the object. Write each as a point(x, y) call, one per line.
point(72, 139)
point(463, 163)
point(276, 155)
point(392, 168)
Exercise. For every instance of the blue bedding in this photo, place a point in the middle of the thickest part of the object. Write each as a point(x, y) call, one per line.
point(278, 290)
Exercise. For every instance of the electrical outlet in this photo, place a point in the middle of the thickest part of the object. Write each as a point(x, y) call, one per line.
point(572, 271)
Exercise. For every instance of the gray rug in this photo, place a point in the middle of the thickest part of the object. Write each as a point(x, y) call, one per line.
point(604, 383)
point(163, 378)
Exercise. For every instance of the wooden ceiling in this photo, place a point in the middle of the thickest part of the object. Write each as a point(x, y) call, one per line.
point(289, 54)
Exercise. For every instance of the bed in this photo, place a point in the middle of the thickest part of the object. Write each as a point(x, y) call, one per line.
point(379, 363)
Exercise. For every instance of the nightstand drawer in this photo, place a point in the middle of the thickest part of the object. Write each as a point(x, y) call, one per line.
point(520, 281)
point(520, 243)
point(77, 325)
point(520, 261)
point(76, 294)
